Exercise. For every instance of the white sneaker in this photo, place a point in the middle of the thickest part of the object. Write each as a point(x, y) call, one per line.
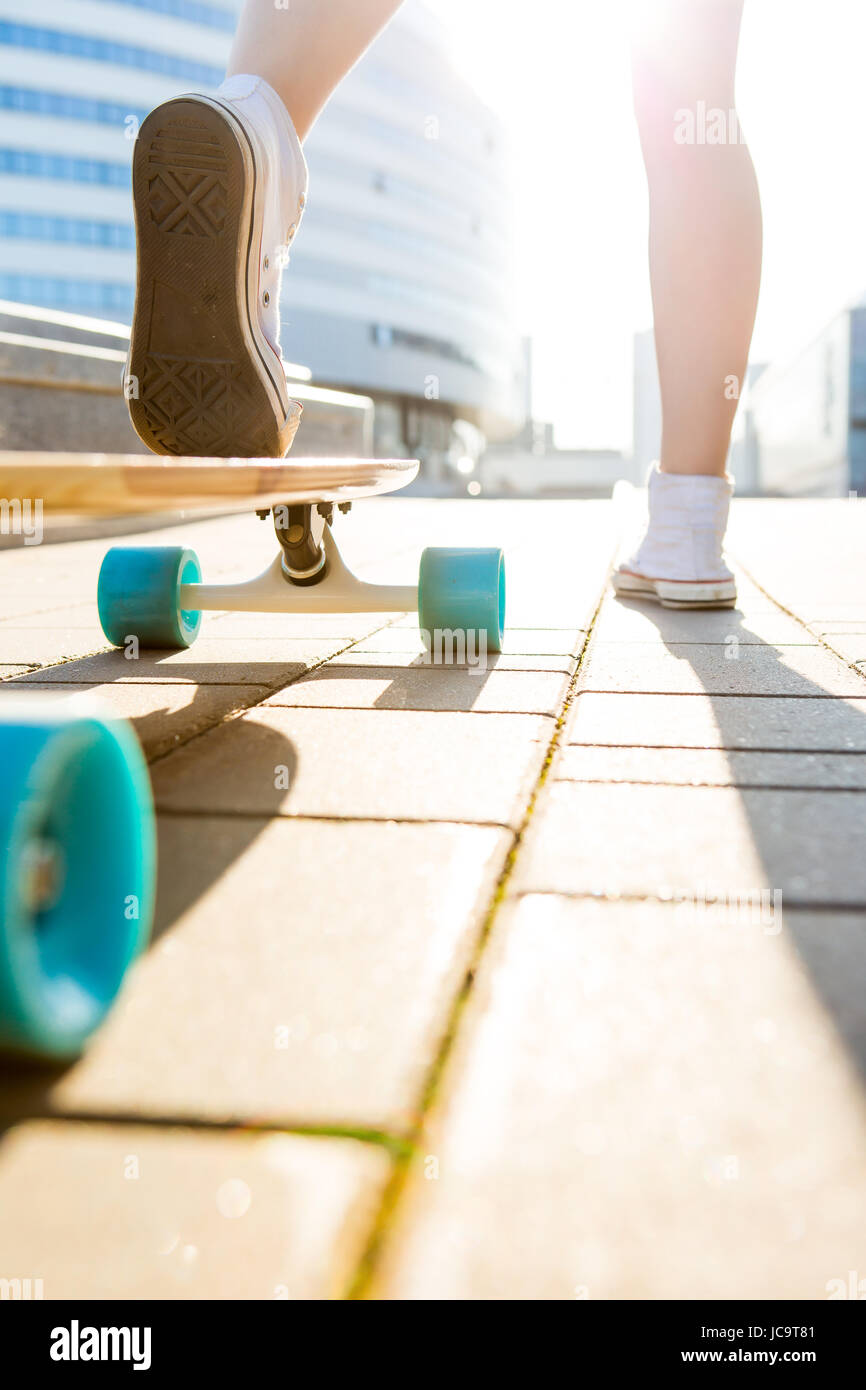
point(219, 187)
point(679, 561)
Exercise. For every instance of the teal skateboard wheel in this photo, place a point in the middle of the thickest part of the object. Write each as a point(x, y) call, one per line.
point(77, 859)
point(139, 596)
point(463, 590)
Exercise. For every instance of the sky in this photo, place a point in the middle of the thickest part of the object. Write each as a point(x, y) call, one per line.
point(557, 72)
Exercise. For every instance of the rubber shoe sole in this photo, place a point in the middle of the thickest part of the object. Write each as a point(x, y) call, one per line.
point(676, 593)
point(201, 378)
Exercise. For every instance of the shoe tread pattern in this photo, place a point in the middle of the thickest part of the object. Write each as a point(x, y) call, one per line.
point(198, 387)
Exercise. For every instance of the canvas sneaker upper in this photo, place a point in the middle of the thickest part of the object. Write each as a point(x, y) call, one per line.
point(684, 538)
point(281, 187)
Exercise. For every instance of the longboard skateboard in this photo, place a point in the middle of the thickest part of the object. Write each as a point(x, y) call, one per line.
point(77, 835)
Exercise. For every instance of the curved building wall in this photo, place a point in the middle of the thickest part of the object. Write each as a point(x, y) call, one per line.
point(399, 281)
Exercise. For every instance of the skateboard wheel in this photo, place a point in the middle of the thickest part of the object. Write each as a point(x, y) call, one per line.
point(463, 590)
point(77, 847)
point(139, 595)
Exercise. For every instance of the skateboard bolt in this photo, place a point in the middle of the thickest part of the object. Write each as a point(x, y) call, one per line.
point(41, 874)
point(302, 201)
point(267, 262)
point(266, 298)
point(292, 230)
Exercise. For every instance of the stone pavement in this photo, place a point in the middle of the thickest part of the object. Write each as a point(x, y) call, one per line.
point(542, 982)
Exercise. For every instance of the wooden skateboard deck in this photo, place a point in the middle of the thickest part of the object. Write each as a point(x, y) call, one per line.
point(91, 485)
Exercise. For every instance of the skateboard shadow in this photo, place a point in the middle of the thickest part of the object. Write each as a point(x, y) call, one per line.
point(446, 688)
point(827, 932)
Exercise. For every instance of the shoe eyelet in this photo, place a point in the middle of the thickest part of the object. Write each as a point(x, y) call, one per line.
point(266, 298)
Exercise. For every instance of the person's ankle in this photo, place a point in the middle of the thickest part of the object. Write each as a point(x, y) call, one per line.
point(680, 471)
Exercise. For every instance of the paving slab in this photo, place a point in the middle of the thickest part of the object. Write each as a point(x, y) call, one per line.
point(428, 688)
point(850, 646)
point(235, 662)
point(20, 606)
point(164, 715)
point(419, 659)
point(375, 764)
point(814, 563)
point(815, 614)
point(637, 1109)
point(301, 973)
point(553, 641)
point(711, 767)
point(78, 617)
point(692, 721)
point(517, 641)
point(279, 627)
point(623, 621)
point(713, 669)
point(42, 646)
point(127, 1212)
point(826, 626)
point(639, 840)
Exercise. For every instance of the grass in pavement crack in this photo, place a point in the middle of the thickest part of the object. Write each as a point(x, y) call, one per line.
point(365, 1273)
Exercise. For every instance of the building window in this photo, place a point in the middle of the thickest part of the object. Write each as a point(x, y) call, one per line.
point(108, 51)
point(112, 299)
point(34, 226)
point(210, 16)
point(70, 108)
point(42, 165)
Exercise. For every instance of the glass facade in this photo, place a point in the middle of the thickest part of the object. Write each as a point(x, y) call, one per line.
point(99, 50)
point(399, 283)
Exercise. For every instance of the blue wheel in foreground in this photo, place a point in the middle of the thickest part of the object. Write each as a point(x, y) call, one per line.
point(463, 590)
point(77, 858)
point(139, 595)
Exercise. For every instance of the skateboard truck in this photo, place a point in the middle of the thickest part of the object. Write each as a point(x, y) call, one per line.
point(299, 531)
point(308, 576)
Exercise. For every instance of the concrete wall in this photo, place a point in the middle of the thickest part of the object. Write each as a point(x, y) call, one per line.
point(60, 388)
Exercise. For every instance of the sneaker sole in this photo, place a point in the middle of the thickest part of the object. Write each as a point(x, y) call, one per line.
point(201, 377)
point(671, 593)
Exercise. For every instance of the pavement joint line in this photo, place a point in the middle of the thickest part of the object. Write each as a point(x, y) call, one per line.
point(852, 665)
point(727, 694)
point(703, 786)
point(12, 622)
point(831, 905)
point(729, 748)
point(272, 816)
point(365, 1271)
point(236, 713)
point(427, 709)
point(237, 1126)
point(455, 669)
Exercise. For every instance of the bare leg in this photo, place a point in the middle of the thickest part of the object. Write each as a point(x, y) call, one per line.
point(705, 223)
point(304, 49)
